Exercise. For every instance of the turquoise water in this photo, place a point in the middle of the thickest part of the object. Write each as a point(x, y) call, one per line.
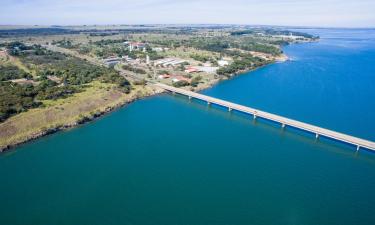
point(165, 160)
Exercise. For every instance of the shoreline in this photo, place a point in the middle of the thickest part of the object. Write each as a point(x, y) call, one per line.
point(155, 91)
point(84, 120)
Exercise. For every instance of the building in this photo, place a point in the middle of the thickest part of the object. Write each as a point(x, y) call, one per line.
point(222, 63)
point(111, 61)
point(164, 76)
point(147, 59)
point(169, 62)
point(206, 69)
point(177, 78)
point(160, 49)
point(136, 46)
point(191, 70)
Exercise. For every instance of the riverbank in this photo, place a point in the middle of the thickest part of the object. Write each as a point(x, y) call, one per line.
point(202, 86)
point(96, 101)
point(82, 108)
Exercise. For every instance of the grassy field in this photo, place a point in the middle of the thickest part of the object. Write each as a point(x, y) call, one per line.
point(97, 98)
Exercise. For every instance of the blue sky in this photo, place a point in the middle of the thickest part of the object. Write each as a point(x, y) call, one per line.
point(327, 13)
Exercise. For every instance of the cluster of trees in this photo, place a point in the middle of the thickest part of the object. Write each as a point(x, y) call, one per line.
point(16, 48)
point(259, 47)
point(181, 83)
point(242, 32)
point(210, 44)
point(103, 34)
point(154, 55)
point(5, 33)
point(54, 92)
point(196, 80)
point(201, 58)
point(134, 69)
point(288, 32)
point(104, 42)
point(114, 78)
point(15, 98)
point(64, 44)
point(269, 31)
point(240, 64)
point(10, 72)
point(222, 44)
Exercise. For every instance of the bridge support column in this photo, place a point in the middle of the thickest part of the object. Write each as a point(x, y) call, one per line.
point(189, 97)
point(208, 103)
point(229, 109)
point(254, 116)
point(358, 147)
point(316, 136)
point(283, 125)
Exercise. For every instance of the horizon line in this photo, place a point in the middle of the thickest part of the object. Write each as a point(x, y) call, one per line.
point(186, 24)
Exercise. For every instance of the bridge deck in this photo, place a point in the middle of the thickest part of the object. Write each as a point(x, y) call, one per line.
point(358, 142)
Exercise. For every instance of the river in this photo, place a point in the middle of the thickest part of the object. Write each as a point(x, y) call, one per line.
point(165, 160)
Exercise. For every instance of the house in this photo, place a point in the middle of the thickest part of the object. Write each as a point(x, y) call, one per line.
point(177, 78)
point(136, 46)
point(206, 69)
point(191, 70)
point(111, 61)
point(163, 61)
point(222, 63)
point(164, 76)
point(169, 62)
point(160, 49)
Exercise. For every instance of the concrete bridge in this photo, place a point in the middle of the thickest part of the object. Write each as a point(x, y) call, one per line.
point(283, 121)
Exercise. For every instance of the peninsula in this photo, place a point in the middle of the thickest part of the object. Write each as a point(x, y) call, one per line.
point(54, 78)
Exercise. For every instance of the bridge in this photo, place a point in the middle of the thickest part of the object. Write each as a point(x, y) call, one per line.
point(283, 121)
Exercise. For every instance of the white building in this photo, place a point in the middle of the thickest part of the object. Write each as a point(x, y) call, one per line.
point(222, 63)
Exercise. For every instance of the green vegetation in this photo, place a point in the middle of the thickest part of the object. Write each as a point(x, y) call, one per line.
point(196, 80)
point(74, 73)
point(270, 32)
point(16, 98)
point(134, 69)
point(64, 44)
point(241, 64)
point(201, 58)
point(10, 72)
point(180, 83)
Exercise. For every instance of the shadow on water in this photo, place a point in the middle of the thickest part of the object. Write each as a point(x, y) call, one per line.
point(322, 143)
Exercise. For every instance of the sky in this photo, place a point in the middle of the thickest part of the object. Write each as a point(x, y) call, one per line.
point(319, 13)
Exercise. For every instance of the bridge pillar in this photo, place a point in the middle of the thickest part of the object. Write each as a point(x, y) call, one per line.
point(283, 125)
point(358, 147)
point(208, 103)
point(254, 116)
point(189, 97)
point(229, 109)
point(316, 136)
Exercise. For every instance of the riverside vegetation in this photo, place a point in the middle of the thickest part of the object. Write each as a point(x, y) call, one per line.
point(53, 78)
